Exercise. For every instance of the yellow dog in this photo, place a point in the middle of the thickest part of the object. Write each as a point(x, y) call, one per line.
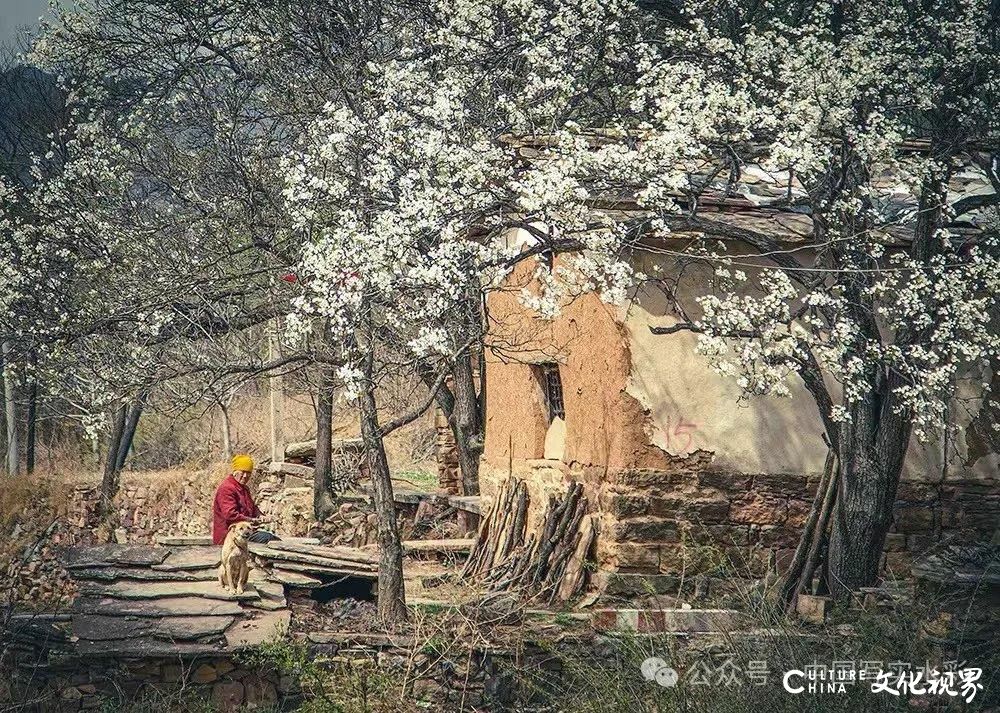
point(235, 567)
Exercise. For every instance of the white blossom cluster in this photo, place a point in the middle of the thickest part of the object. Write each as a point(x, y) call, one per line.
point(406, 192)
point(832, 114)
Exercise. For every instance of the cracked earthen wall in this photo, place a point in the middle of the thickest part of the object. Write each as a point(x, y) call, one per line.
point(670, 454)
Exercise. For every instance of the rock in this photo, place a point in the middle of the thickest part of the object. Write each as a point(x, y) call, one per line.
point(181, 628)
point(184, 540)
point(266, 627)
point(167, 607)
point(227, 695)
point(143, 648)
point(812, 608)
point(112, 554)
point(645, 530)
point(191, 558)
point(161, 590)
point(293, 579)
point(71, 694)
point(111, 574)
point(205, 673)
point(259, 693)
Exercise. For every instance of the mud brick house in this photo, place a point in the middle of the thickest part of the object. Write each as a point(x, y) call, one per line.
point(680, 469)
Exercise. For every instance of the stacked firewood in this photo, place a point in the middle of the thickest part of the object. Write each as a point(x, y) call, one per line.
point(549, 563)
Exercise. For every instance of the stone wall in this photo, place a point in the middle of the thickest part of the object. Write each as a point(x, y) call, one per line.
point(166, 684)
point(145, 509)
point(667, 524)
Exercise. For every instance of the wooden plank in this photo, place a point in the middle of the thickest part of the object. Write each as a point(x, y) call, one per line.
point(166, 607)
point(328, 559)
point(333, 552)
point(313, 569)
point(432, 546)
point(293, 579)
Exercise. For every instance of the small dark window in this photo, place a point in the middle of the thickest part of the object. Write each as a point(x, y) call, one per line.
point(552, 385)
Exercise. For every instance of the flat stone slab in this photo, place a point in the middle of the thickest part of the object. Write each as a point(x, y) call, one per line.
point(467, 503)
point(143, 648)
point(293, 579)
point(184, 540)
point(188, 558)
point(97, 627)
point(167, 607)
point(112, 574)
point(301, 471)
point(162, 590)
point(111, 555)
point(261, 629)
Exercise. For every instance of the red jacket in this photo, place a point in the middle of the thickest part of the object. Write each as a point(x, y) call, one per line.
point(233, 503)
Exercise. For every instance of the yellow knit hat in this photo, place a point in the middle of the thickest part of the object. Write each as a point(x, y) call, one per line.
point(243, 462)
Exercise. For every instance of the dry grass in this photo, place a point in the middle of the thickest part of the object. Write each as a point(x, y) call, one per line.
point(171, 445)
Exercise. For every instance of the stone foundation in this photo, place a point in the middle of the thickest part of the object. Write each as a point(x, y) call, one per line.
point(662, 526)
point(99, 684)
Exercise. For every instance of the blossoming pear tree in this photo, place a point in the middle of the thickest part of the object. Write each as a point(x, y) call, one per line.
point(408, 181)
point(861, 114)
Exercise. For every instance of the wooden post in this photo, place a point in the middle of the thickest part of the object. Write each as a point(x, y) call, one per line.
point(277, 393)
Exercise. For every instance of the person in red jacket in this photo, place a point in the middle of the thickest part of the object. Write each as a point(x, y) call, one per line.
point(233, 503)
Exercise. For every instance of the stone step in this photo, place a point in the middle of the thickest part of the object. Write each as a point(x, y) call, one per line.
point(103, 627)
point(165, 607)
point(165, 590)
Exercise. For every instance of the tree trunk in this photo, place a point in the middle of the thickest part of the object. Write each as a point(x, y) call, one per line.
point(128, 433)
point(227, 432)
point(463, 409)
point(871, 448)
point(109, 483)
point(391, 592)
point(323, 503)
point(10, 411)
point(31, 431)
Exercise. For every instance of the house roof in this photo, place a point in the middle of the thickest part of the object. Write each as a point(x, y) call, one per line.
point(776, 202)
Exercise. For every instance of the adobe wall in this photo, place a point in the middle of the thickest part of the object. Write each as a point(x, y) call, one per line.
point(682, 470)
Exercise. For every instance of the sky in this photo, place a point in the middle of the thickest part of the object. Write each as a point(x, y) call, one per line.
point(15, 14)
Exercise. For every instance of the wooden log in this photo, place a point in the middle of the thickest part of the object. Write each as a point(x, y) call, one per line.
point(809, 532)
point(573, 580)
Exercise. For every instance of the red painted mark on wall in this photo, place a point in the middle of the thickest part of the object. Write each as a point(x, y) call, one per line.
point(681, 436)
